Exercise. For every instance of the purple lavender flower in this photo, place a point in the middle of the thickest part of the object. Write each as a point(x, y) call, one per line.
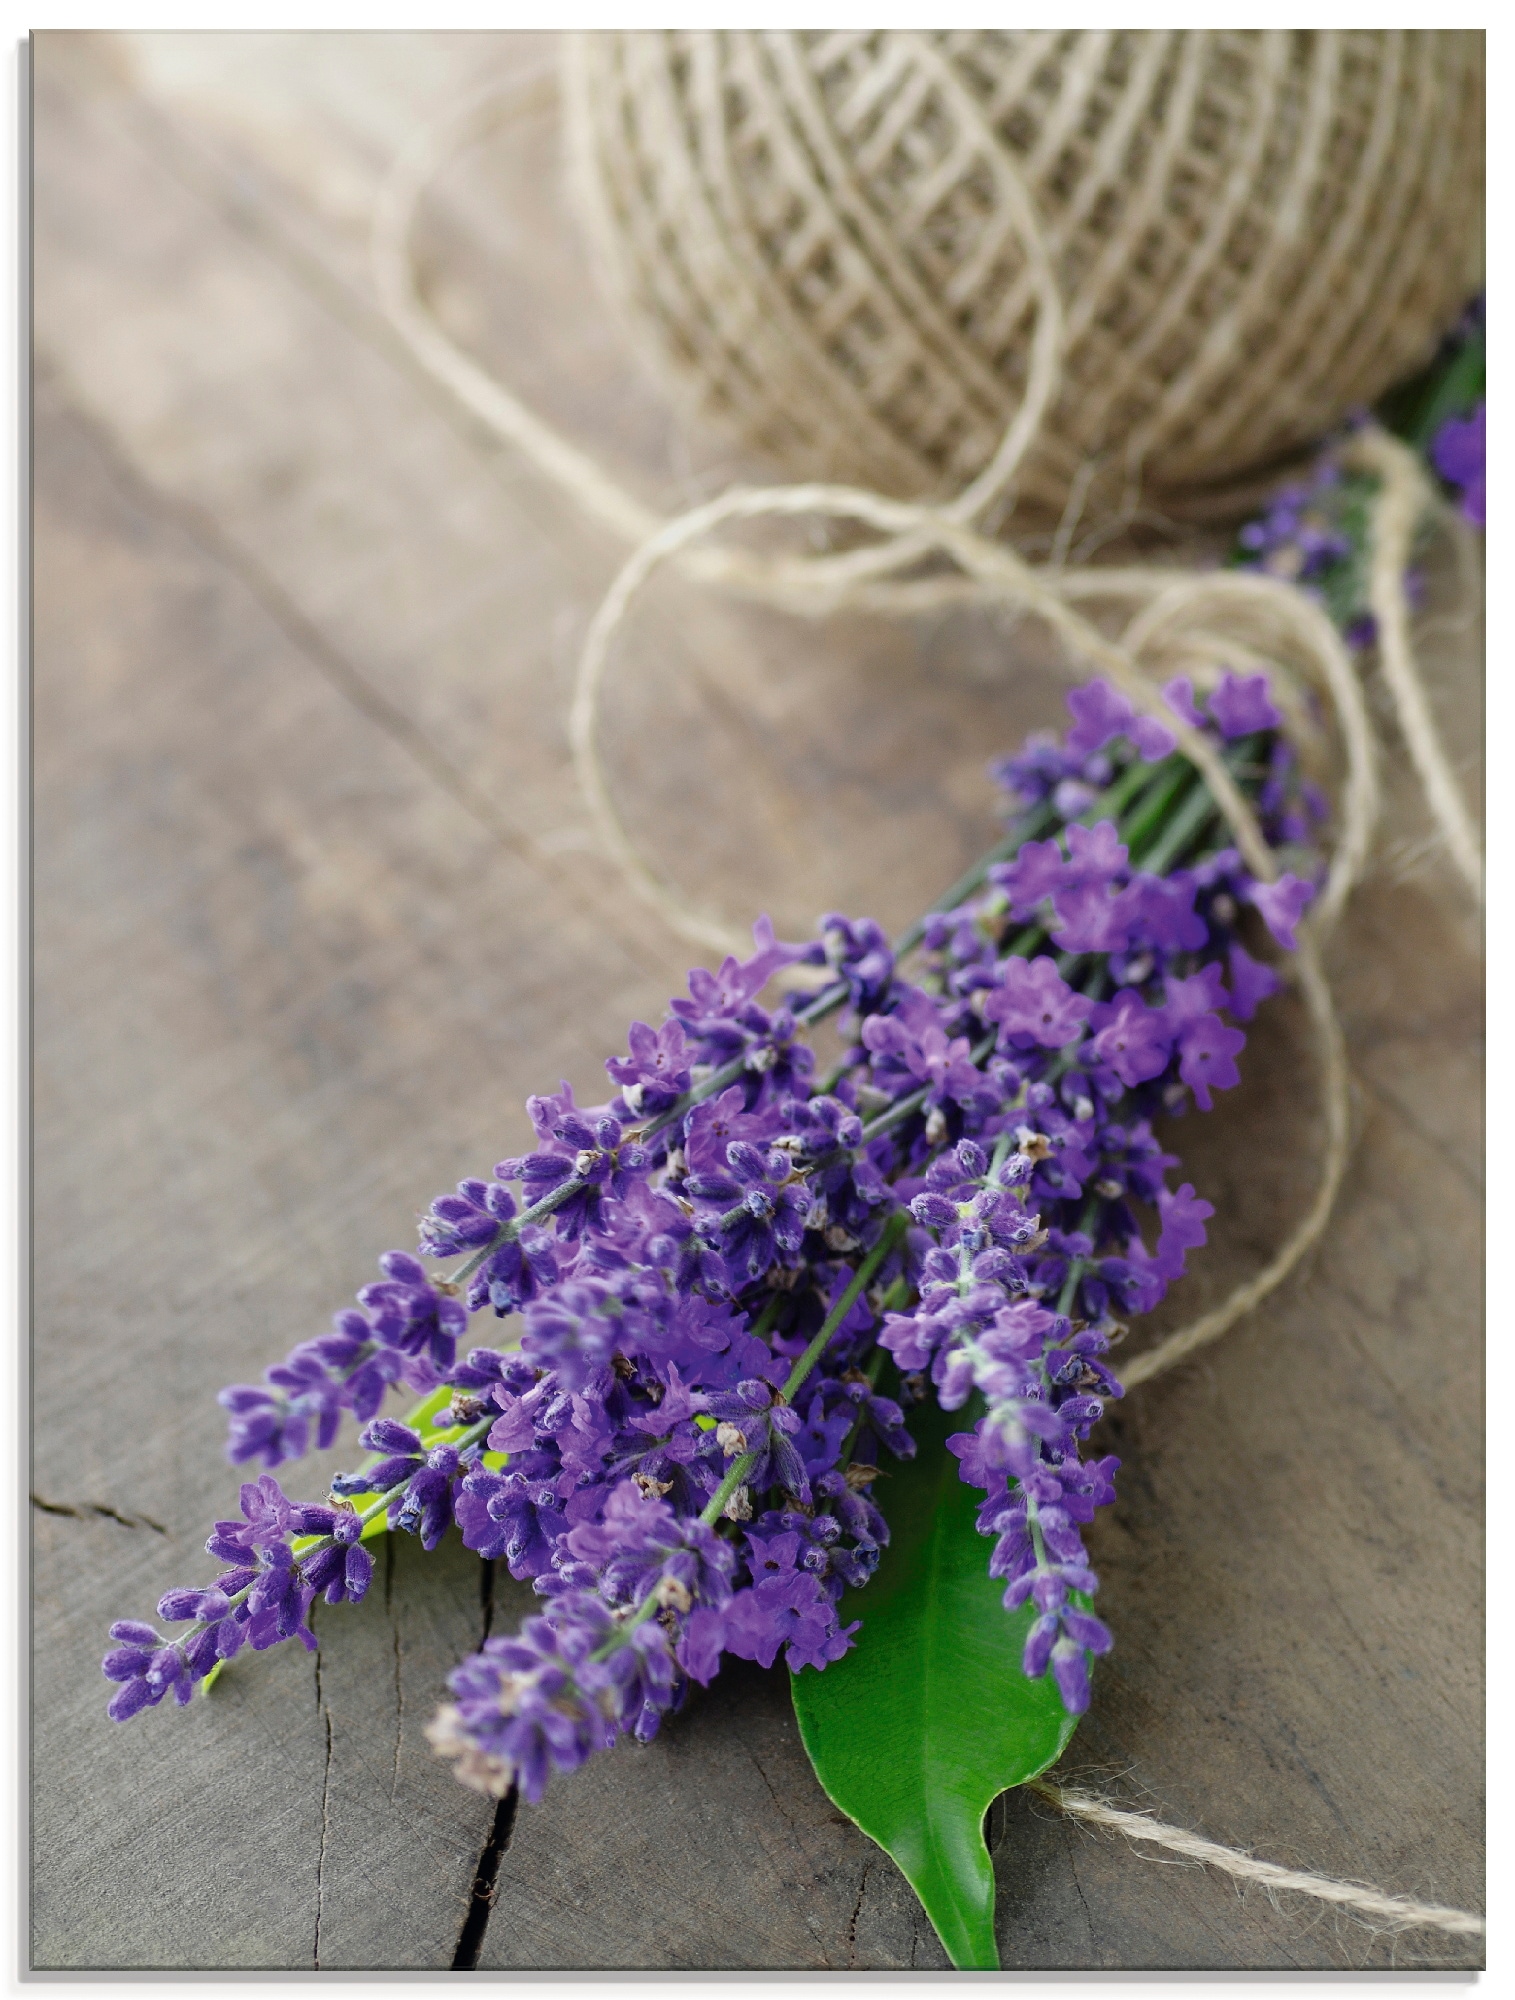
point(641, 1546)
point(1183, 1217)
point(406, 1313)
point(1207, 1057)
point(915, 1052)
point(519, 1711)
point(753, 1212)
point(657, 1070)
point(1300, 537)
point(1133, 1038)
point(1102, 712)
point(1251, 982)
point(461, 1222)
point(1035, 1006)
point(861, 953)
point(1037, 872)
point(1241, 705)
point(1457, 452)
point(1034, 773)
point(785, 1609)
point(515, 1516)
point(712, 1126)
point(1282, 904)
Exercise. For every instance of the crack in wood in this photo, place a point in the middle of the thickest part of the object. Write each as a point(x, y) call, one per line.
point(486, 1876)
point(1078, 1889)
point(810, 1923)
point(97, 1508)
point(325, 1714)
point(857, 1911)
point(394, 1788)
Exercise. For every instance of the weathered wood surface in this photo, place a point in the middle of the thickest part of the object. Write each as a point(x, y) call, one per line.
point(316, 909)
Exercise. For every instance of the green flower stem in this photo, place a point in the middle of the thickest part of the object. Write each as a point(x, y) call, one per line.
point(508, 1231)
point(303, 1546)
point(736, 1476)
point(1025, 942)
point(908, 1106)
point(1079, 1265)
point(1131, 783)
point(1448, 387)
point(1192, 816)
point(762, 1326)
point(1177, 773)
point(1172, 838)
point(894, 1229)
point(1134, 780)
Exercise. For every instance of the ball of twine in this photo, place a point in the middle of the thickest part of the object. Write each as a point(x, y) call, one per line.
point(1171, 259)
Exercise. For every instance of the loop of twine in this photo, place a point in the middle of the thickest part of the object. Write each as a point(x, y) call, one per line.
point(1405, 498)
point(1175, 621)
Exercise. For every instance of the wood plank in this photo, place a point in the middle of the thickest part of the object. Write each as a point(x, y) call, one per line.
point(816, 768)
point(238, 1096)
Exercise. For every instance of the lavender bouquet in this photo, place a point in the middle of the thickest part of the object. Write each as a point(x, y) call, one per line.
point(800, 1363)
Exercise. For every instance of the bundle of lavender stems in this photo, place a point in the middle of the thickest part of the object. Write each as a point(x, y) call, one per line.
point(726, 1288)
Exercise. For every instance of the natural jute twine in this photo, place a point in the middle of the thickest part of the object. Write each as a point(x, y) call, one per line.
point(1397, 1912)
point(1200, 624)
point(847, 246)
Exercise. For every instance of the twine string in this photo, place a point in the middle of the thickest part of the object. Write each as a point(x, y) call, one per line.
point(1309, 976)
point(1175, 621)
point(1404, 500)
point(1401, 1912)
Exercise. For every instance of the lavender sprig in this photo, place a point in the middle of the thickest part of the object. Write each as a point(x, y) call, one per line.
point(1314, 533)
point(710, 1270)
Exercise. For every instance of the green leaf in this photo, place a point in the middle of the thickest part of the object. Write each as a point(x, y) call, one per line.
point(929, 1717)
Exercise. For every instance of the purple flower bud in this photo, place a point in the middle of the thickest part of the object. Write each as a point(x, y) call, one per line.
point(125, 1663)
point(1039, 1644)
point(384, 1434)
point(136, 1695)
point(1071, 1675)
point(1088, 1631)
point(180, 1604)
point(134, 1632)
point(402, 1267)
point(933, 1211)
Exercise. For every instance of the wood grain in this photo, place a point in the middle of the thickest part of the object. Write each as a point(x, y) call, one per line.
point(317, 908)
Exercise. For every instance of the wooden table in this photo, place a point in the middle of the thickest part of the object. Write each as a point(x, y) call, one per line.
point(317, 905)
